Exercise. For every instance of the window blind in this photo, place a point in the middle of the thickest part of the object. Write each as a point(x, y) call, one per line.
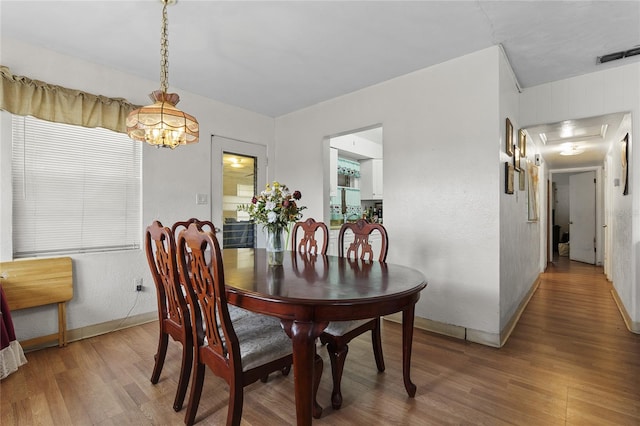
point(75, 189)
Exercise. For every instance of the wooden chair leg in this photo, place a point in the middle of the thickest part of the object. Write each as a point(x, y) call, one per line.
point(317, 375)
point(337, 355)
point(197, 380)
point(376, 341)
point(161, 353)
point(185, 372)
point(236, 396)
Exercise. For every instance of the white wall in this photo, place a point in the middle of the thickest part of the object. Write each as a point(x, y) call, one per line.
point(103, 283)
point(604, 92)
point(520, 238)
point(441, 178)
point(622, 219)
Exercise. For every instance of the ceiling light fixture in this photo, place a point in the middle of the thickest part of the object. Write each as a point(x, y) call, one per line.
point(571, 149)
point(236, 163)
point(566, 132)
point(162, 124)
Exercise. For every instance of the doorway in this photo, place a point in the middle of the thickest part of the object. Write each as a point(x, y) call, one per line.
point(239, 170)
point(578, 145)
point(576, 214)
point(353, 185)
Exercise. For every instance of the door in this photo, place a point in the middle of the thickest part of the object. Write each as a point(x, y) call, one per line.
point(582, 217)
point(239, 173)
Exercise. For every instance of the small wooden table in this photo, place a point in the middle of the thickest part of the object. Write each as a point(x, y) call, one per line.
point(307, 293)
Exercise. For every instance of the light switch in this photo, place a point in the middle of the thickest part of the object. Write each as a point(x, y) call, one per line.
point(202, 199)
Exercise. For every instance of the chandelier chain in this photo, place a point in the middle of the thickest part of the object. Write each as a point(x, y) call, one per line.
point(164, 50)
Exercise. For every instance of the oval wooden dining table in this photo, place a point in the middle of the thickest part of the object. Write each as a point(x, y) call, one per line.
point(307, 292)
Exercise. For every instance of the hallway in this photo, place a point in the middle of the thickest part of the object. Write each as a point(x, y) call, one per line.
point(574, 334)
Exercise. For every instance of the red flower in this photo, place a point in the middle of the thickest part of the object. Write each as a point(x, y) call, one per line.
point(285, 203)
point(254, 200)
point(297, 195)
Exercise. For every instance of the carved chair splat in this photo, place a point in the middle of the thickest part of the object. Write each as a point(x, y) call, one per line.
point(308, 244)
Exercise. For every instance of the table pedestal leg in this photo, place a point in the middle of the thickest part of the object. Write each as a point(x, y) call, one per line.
point(303, 336)
point(407, 340)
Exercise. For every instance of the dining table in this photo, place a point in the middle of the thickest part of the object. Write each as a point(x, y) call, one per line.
point(307, 291)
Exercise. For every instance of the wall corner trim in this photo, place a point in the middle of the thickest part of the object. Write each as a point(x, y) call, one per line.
point(513, 74)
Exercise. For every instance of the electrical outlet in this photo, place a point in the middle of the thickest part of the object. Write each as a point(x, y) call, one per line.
point(138, 283)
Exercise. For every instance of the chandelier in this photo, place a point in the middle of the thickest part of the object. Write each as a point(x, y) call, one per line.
point(162, 124)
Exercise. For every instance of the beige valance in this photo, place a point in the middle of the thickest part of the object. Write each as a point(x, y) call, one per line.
point(23, 96)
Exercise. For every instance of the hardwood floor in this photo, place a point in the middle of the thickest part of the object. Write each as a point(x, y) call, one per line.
point(569, 361)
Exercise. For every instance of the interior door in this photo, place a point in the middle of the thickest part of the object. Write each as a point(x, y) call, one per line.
point(229, 190)
point(582, 217)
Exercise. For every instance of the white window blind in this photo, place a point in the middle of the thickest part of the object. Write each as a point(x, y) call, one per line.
point(75, 189)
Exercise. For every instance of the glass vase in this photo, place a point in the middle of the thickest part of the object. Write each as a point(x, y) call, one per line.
point(275, 246)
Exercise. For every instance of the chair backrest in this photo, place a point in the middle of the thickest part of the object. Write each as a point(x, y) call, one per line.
point(179, 226)
point(360, 247)
point(202, 273)
point(160, 248)
point(204, 224)
point(309, 243)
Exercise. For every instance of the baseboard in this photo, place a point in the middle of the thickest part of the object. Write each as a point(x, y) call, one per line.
point(632, 326)
point(433, 326)
point(508, 329)
point(93, 330)
point(477, 336)
point(40, 342)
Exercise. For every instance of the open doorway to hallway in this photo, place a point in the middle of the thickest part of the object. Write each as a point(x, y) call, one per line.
point(576, 146)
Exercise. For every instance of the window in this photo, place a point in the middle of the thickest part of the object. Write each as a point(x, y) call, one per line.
point(75, 189)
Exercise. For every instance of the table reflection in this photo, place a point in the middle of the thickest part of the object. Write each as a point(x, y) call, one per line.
point(313, 269)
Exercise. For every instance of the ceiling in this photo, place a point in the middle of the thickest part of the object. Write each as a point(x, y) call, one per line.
point(576, 143)
point(275, 57)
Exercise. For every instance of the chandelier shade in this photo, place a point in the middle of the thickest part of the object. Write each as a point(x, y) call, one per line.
point(162, 124)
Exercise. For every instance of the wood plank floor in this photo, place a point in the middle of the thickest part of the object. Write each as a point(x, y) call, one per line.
point(569, 361)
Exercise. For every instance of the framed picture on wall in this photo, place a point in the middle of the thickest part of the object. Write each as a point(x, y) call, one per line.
point(522, 142)
point(509, 138)
point(508, 177)
point(624, 156)
point(516, 158)
point(532, 195)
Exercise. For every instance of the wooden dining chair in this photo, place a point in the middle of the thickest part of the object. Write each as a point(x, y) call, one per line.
point(242, 351)
point(308, 243)
point(173, 314)
point(206, 225)
point(338, 334)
